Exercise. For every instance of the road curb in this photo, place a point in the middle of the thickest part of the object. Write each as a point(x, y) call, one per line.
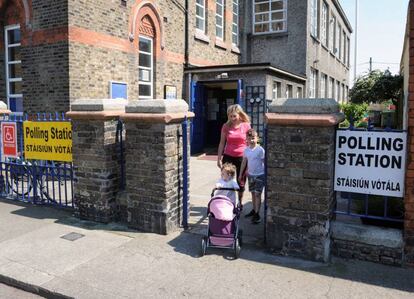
point(31, 288)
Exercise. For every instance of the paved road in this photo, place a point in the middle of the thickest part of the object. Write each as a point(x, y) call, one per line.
point(7, 292)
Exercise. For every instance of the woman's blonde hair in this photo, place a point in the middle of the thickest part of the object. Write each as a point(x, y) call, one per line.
point(239, 110)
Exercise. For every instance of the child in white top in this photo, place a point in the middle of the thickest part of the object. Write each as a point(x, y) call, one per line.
point(254, 156)
point(227, 180)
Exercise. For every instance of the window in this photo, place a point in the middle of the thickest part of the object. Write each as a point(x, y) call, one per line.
point(235, 25)
point(344, 47)
point(348, 46)
point(146, 67)
point(13, 64)
point(277, 90)
point(340, 42)
point(289, 91)
point(312, 83)
point(342, 92)
point(338, 91)
point(299, 92)
point(269, 16)
point(331, 88)
point(323, 85)
point(201, 15)
point(324, 24)
point(337, 38)
point(314, 18)
point(220, 19)
point(331, 33)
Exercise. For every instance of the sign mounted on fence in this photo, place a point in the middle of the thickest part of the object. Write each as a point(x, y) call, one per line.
point(370, 162)
point(48, 140)
point(9, 139)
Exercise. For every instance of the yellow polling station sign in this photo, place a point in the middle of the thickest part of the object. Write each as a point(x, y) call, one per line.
point(48, 140)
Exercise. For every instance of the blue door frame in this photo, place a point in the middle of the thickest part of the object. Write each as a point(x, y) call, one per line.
point(198, 94)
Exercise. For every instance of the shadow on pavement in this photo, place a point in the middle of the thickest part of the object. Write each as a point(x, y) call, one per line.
point(356, 271)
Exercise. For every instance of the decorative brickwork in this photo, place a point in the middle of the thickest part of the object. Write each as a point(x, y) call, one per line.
point(154, 168)
point(96, 159)
point(300, 163)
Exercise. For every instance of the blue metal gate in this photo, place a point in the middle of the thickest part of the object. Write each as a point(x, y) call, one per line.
point(256, 106)
point(43, 182)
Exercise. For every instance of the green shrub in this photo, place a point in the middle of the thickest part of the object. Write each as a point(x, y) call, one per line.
point(354, 112)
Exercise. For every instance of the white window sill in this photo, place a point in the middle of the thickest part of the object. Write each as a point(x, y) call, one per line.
point(199, 35)
point(219, 43)
point(235, 49)
point(278, 33)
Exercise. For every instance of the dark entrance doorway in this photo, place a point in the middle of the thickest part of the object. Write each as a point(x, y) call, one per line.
point(209, 102)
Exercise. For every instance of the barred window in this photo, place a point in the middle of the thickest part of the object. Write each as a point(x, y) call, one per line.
point(269, 16)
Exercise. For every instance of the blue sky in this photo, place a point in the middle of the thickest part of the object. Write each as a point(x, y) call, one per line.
point(381, 28)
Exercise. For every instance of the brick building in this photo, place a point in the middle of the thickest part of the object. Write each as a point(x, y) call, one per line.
point(407, 70)
point(211, 53)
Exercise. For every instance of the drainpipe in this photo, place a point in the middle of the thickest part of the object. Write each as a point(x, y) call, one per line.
point(186, 28)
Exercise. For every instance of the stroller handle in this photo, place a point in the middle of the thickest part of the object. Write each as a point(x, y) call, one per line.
point(226, 189)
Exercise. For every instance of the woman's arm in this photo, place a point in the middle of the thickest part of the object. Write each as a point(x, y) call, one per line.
point(221, 148)
point(242, 167)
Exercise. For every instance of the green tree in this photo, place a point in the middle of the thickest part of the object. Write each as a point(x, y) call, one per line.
point(354, 112)
point(376, 86)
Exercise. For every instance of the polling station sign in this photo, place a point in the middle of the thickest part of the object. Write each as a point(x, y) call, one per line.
point(370, 162)
point(9, 139)
point(48, 140)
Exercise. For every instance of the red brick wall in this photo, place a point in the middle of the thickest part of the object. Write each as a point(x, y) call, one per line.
point(409, 196)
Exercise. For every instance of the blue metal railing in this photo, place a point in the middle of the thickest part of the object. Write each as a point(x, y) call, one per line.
point(36, 181)
point(185, 172)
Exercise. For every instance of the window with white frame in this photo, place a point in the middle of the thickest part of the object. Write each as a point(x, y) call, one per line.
point(146, 68)
point(201, 15)
point(323, 85)
point(344, 47)
point(340, 42)
point(331, 33)
point(277, 90)
point(337, 38)
point(314, 18)
point(338, 91)
point(235, 24)
point(299, 92)
point(289, 91)
point(348, 46)
point(269, 16)
point(13, 64)
point(220, 19)
point(331, 86)
point(312, 83)
point(324, 24)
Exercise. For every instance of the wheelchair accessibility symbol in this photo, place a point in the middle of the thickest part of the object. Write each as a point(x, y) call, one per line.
point(9, 140)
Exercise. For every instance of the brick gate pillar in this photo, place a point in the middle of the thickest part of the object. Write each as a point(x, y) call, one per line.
point(301, 148)
point(96, 157)
point(154, 164)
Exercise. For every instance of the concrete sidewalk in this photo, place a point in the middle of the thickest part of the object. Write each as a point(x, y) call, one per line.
point(110, 261)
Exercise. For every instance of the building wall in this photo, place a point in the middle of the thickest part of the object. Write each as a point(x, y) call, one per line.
point(44, 53)
point(284, 50)
point(321, 58)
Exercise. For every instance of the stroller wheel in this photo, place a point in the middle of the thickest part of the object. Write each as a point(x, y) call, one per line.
point(237, 249)
point(203, 246)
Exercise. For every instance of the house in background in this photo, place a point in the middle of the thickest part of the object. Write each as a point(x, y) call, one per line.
point(213, 53)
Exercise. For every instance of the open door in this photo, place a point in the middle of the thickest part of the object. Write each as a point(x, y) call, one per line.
point(197, 124)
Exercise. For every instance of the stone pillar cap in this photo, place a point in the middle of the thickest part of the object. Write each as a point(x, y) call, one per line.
point(3, 108)
point(157, 106)
point(95, 105)
point(304, 106)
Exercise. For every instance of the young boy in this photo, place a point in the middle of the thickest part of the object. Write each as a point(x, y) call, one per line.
point(254, 156)
point(227, 180)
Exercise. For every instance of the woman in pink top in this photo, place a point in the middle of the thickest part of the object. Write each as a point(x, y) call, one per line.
point(233, 142)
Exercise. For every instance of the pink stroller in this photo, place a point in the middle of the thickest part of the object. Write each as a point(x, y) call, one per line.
point(223, 224)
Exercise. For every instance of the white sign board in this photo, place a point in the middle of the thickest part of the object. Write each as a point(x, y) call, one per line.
point(370, 162)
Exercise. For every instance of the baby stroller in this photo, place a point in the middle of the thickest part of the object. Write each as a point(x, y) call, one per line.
point(223, 224)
